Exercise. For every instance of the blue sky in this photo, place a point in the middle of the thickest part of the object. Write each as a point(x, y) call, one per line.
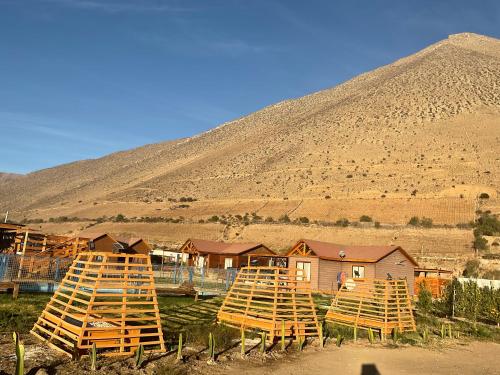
point(82, 78)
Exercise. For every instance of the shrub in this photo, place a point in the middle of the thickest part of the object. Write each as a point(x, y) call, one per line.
point(284, 219)
point(480, 243)
point(471, 268)
point(484, 196)
point(415, 221)
point(377, 224)
point(342, 223)
point(304, 220)
point(426, 222)
point(213, 219)
point(365, 219)
point(424, 302)
point(269, 219)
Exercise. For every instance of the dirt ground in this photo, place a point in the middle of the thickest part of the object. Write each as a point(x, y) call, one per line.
point(474, 358)
point(352, 358)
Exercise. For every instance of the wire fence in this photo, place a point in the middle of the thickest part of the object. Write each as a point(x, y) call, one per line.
point(43, 274)
point(33, 273)
point(216, 279)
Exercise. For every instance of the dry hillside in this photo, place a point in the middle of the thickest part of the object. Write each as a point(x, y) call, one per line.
point(417, 137)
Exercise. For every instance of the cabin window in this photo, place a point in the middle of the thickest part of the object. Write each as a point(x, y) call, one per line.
point(306, 268)
point(228, 263)
point(358, 272)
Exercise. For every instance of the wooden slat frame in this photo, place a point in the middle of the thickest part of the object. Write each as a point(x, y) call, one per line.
point(373, 303)
point(262, 297)
point(106, 298)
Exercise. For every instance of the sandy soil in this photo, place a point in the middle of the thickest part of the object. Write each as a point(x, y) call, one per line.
point(474, 358)
point(352, 358)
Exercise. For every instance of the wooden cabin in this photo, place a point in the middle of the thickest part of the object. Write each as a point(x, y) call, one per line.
point(326, 265)
point(106, 243)
point(214, 254)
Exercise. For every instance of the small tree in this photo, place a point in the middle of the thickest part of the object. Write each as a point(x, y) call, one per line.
point(365, 219)
point(424, 298)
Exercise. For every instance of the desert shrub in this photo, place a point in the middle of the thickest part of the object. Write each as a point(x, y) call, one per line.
point(487, 225)
point(327, 197)
point(213, 219)
point(426, 222)
point(484, 196)
point(269, 219)
point(342, 223)
point(414, 221)
point(284, 219)
point(471, 268)
point(377, 224)
point(304, 220)
point(480, 243)
point(365, 219)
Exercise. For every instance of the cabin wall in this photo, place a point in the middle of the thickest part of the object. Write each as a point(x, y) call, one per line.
point(328, 270)
point(315, 276)
point(399, 266)
point(104, 244)
point(140, 248)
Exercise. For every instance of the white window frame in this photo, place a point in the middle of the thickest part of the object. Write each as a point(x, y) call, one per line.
point(306, 267)
point(361, 271)
point(228, 263)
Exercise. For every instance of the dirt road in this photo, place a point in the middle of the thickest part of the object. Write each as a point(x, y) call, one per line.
point(474, 358)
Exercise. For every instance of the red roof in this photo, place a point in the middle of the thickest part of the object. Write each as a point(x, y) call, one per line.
point(216, 247)
point(369, 254)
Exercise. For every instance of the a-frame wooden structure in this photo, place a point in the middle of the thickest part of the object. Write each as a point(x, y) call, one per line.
point(107, 299)
point(378, 304)
point(268, 299)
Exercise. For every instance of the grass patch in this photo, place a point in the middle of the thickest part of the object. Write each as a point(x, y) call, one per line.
point(20, 315)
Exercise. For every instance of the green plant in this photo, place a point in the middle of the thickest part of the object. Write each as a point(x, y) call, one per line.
point(426, 222)
point(301, 343)
point(424, 302)
point(355, 333)
point(179, 348)
point(320, 334)
point(93, 357)
point(450, 334)
point(211, 346)
point(340, 339)
point(425, 335)
point(243, 351)
point(19, 354)
point(139, 356)
point(371, 336)
point(415, 221)
point(395, 335)
point(283, 345)
point(443, 331)
point(262, 342)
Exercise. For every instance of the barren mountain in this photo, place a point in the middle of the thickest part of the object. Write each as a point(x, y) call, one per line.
point(422, 132)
